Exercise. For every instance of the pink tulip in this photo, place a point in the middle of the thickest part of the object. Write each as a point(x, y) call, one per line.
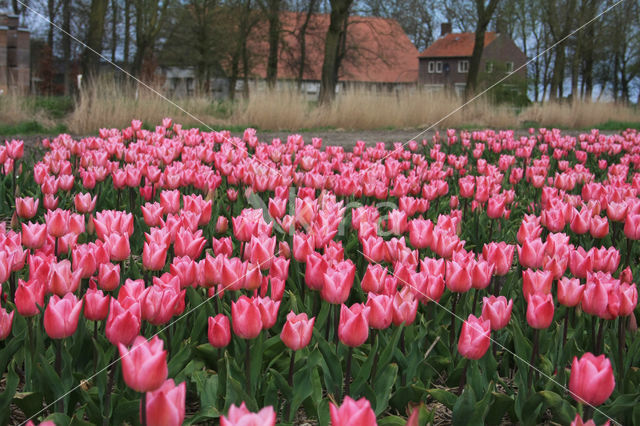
point(352, 413)
point(474, 337)
point(540, 310)
point(497, 310)
point(297, 331)
point(591, 380)
point(246, 318)
point(219, 332)
point(166, 405)
point(353, 329)
point(144, 365)
point(241, 416)
point(61, 316)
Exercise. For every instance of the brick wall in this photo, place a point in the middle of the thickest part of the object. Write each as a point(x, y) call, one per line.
point(14, 54)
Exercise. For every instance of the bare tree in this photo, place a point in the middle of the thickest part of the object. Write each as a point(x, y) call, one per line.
point(150, 16)
point(484, 14)
point(272, 9)
point(335, 43)
point(95, 34)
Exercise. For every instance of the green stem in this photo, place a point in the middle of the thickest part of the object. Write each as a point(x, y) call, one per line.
point(534, 355)
point(452, 330)
point(622, 325)
point(290, 381)
point(347, 373)
point(58, 365)
point(247, 365)
point(143, 410)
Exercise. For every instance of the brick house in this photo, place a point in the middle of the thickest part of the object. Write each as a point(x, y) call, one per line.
point(14, 54)
point(379, 55)
point(445, 64)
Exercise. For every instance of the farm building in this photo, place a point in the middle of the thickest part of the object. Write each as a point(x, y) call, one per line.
point(445, 63)
point(14, 54)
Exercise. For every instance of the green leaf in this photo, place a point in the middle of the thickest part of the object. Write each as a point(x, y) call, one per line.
point(331, 366)
point(501, 404)
point(392, 421)
point(391, 345)
point(383, 386)
point(463, 410)
point(561, 409)
point(444, 397)
point(178, 361)
point(301, 388)
point(365, 371)
point(29, 402)
point(9, 390)
point(207, 387)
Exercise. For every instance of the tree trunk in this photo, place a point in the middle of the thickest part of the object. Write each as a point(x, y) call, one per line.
point(331, 64)
point(66, 45)
point(484, 15)
point(51, 9)
point(114, 29)
point(274, 40)
point(127, 29)
point(94, 38)
point(302, 40)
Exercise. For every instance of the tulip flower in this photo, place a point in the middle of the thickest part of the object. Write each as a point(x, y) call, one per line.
point(246, 318)
point(57, 222)
point(268, 311)
point(297, 330)
point(61, 316)
point(474, 337)
point(352, 413)
point(6, 321)
point(96, 304)
point(154, 255)
point(241, 416)
point(536, 282)
point(531, 253)
point(337, 285)
point(632, 226)
point(144, 365)
point(34, 235)
point(109, 276)
point(540, 310)
point(353, 328)
point(458, 277)
point(577, 421)
point(166, 405)
point(26, 207)
point(591, 381)
point(62, 280)
point(219, 332)
point(29, 296)
point(123, 323)
point(569, 291)
point(118, 246)
point(497, 310)
point(84, 203)
point(315, 270)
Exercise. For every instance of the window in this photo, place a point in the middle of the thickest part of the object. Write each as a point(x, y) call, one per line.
point(509, 66)
point(439, 67)
point(463, 66)
point(431, 68)
point(488, 67)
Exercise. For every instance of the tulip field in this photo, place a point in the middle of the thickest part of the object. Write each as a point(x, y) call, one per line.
point(175, 276)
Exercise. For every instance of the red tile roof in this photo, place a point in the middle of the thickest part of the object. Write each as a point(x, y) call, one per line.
point(455, 45)
point(378, 50)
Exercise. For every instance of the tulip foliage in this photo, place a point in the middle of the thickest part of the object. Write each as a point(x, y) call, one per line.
point(176, 276)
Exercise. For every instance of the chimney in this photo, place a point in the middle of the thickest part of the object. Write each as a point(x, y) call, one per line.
point(445, 28)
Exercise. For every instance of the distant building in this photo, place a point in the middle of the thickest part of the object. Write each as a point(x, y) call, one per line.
point(378, 54)
point(14, 54)
point(445, 64)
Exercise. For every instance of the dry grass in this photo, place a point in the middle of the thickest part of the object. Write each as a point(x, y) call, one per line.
point(579, 114)
point(108, 104)
point(16, 108)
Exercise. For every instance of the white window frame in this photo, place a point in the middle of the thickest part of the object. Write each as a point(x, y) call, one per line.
point(431, 67)
point(463, 66)
point(439, 67)
point(488, 67)
point(509, 67)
